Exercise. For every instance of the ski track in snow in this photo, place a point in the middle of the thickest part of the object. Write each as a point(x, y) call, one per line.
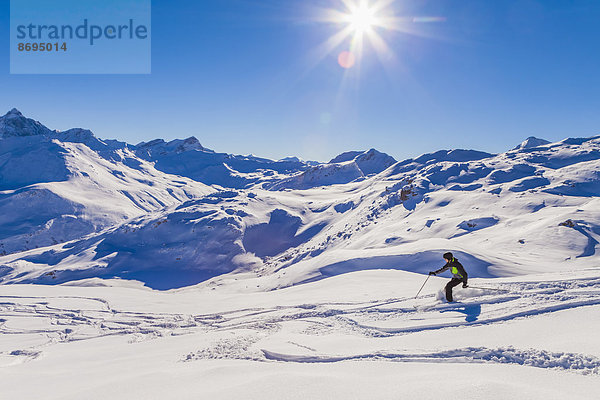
point(505, 355)
point(63, 319)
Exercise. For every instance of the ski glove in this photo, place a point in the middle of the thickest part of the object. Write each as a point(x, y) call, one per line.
point(432, 273)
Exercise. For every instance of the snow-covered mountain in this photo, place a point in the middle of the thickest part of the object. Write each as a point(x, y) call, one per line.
point(76, 207)
point(59, 186)
point(190, 159)
point(531, 142)
point(13, 124)
point(345, 168)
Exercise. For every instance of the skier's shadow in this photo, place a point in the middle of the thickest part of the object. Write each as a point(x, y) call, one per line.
point(472, 311)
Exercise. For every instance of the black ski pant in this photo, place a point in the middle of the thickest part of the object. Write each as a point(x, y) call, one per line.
point(453, 282)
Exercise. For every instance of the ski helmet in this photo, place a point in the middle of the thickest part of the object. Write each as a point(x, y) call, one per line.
point(448, 256)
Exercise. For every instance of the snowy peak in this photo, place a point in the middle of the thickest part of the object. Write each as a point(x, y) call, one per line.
point(370, 162)
point(14, 112)
point(79, 135)
point(290, 159)
point(344, 168)
point(345, 157)
point(297, 160)
point(191, 143)
point(374, 162)
point(177, 146)
point(321, 175)
point(14, 124)
point(531, 142)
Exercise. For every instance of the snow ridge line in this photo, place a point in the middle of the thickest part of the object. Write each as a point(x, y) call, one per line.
point(504, 355)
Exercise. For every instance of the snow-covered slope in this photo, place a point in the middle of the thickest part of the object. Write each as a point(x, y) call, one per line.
point(60, 186)
point(518, 212)
point(359, 335)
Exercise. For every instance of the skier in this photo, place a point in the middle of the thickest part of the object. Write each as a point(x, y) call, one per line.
point(458, 274)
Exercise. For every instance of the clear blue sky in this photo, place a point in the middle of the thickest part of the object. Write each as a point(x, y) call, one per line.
point(235, 74)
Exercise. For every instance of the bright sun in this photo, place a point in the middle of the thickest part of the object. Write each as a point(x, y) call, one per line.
point(362, 18)
point(367, 21)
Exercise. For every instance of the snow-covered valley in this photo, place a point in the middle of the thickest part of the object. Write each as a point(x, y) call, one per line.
point(358, 335)
point(167, 270)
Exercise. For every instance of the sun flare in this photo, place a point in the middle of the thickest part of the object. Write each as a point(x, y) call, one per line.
point(361, 21)
point(362, 18)
point(367, 25)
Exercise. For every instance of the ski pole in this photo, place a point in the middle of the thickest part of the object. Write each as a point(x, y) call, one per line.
point(422, 286)
point(485, 288)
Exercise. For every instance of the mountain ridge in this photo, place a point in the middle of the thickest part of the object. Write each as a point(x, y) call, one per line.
point(85, 208)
